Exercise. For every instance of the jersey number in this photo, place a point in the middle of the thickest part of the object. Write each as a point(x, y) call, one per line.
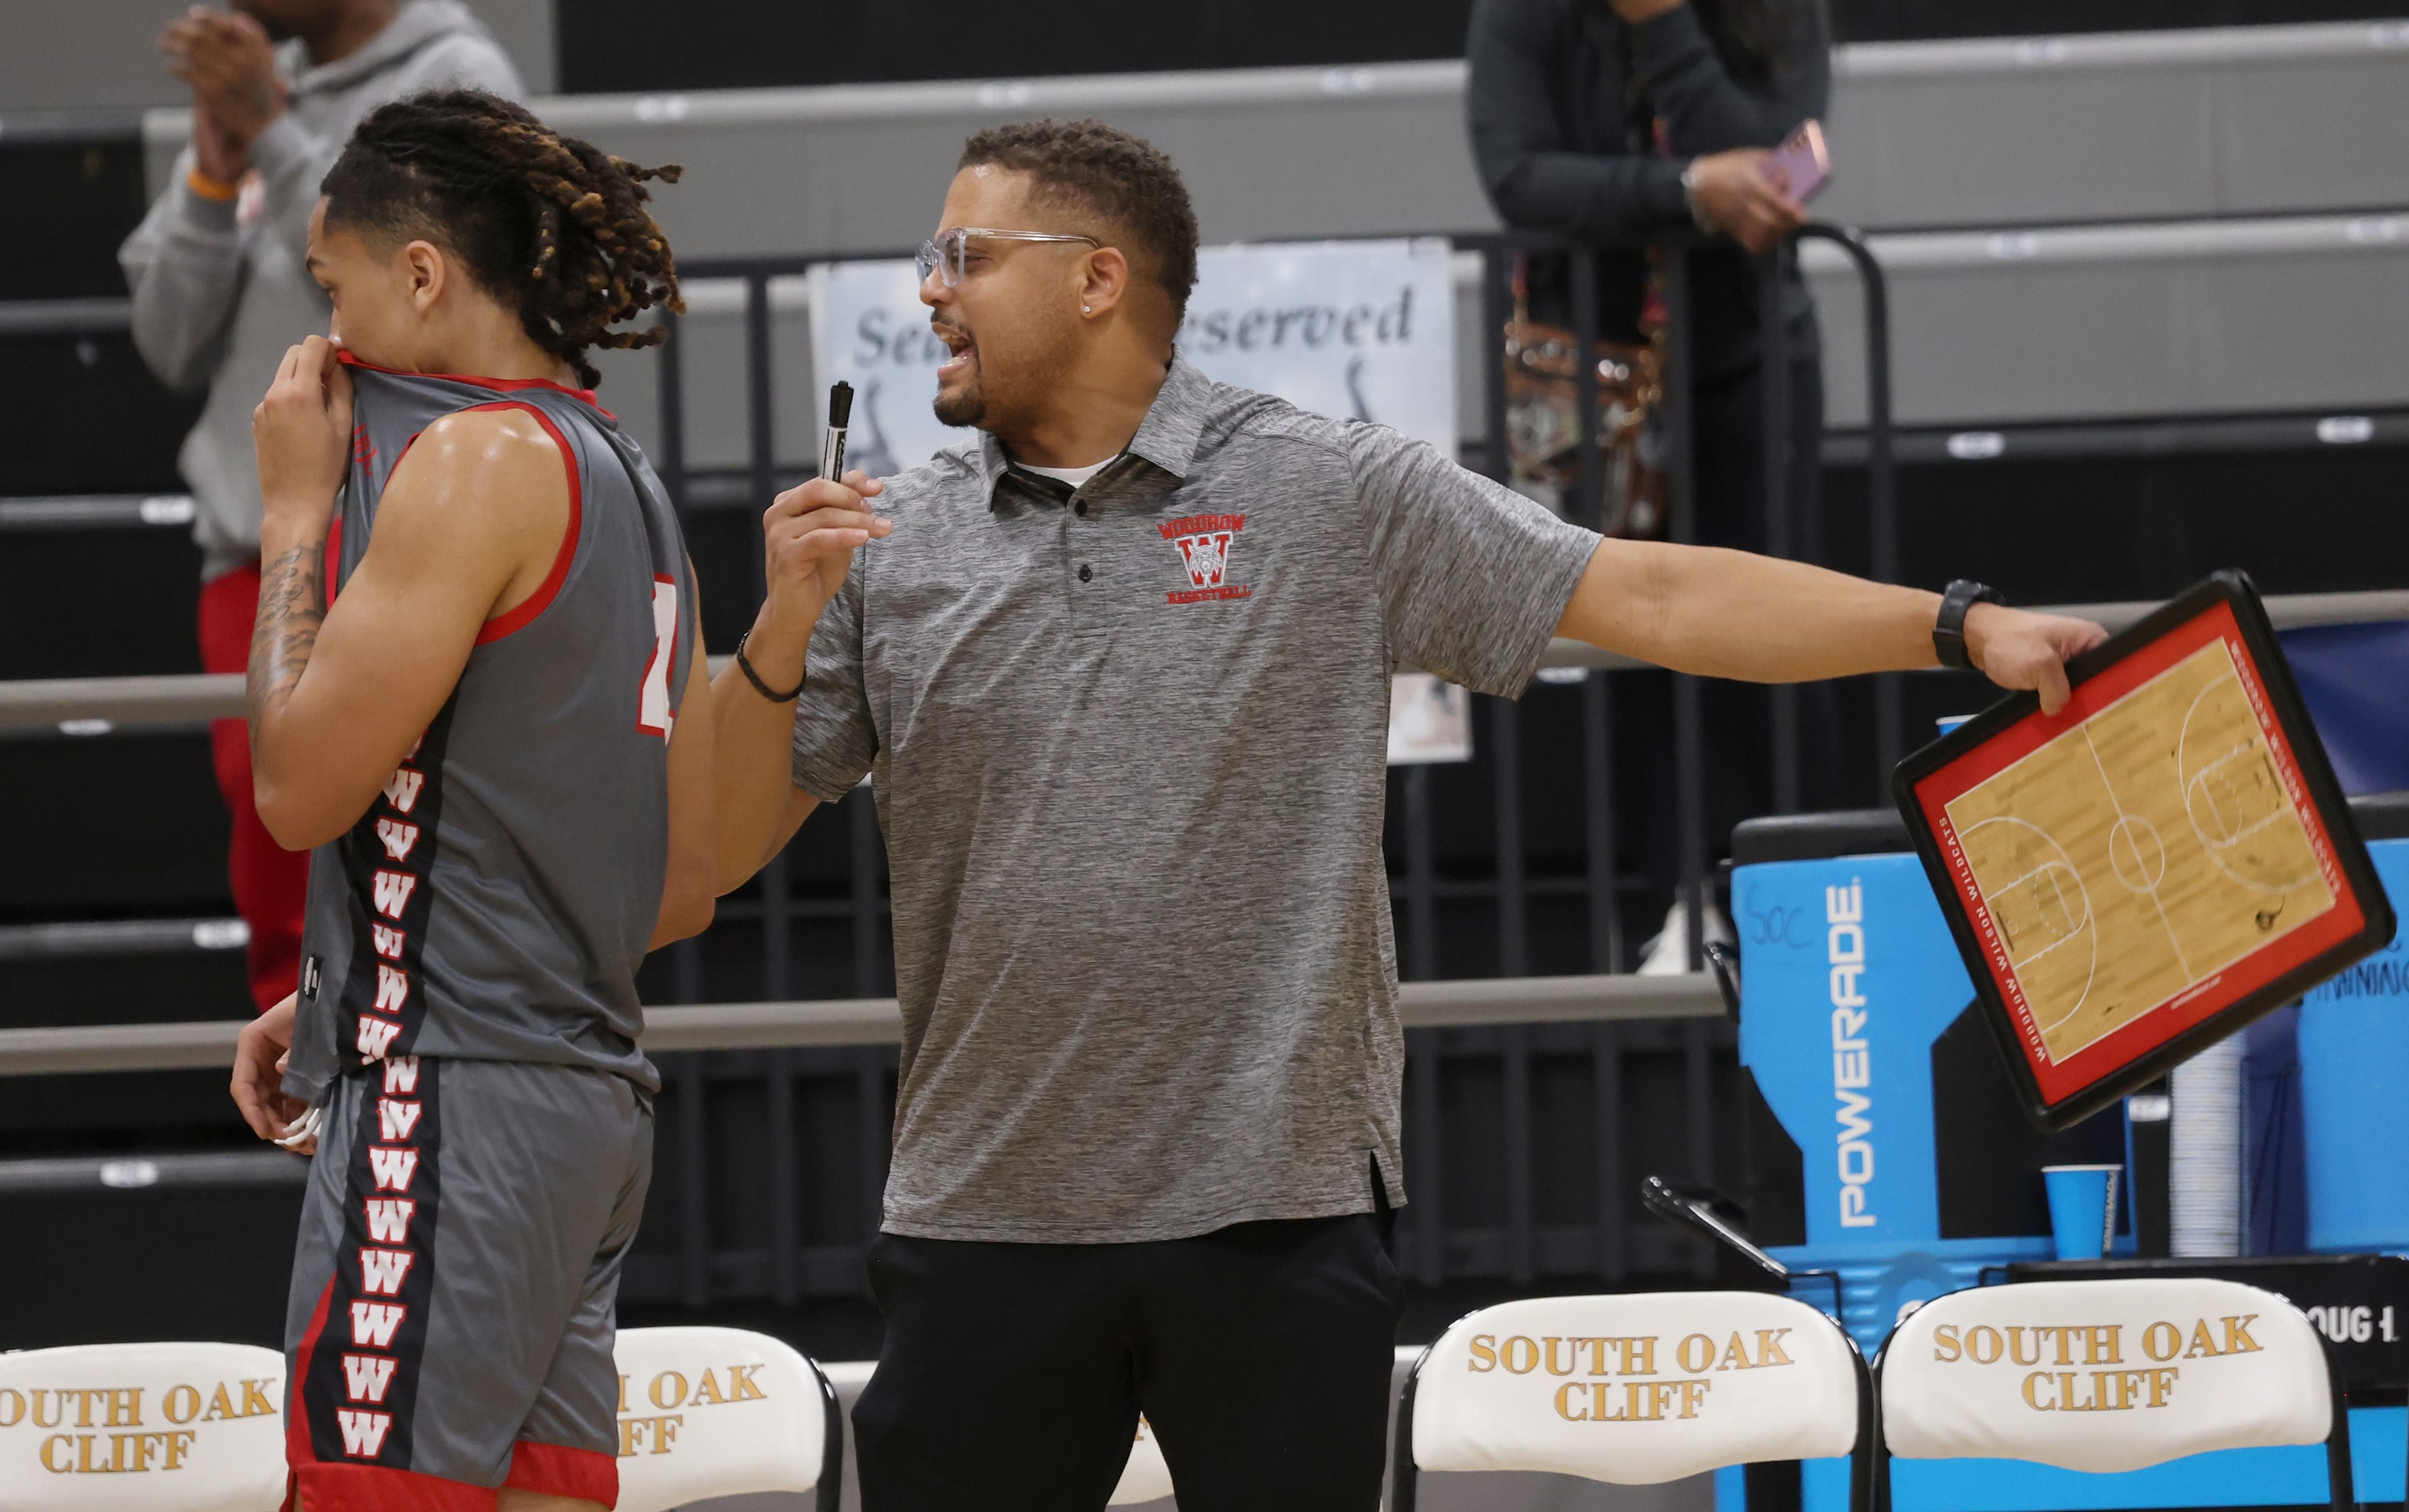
point(654, 715)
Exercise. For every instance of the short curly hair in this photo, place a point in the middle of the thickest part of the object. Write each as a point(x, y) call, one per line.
point(1089, 165)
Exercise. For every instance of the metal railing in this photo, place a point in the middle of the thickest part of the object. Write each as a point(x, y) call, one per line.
point(131, 704)
point(828, 1023)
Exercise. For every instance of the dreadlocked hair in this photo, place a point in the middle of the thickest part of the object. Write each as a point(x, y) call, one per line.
point(547, 222)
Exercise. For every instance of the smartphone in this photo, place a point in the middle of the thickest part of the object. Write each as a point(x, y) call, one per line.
point(1800, 166)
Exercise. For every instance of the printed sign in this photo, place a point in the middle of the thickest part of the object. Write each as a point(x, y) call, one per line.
point(1357, 329)
point(712, 1412)
point(673, 1394)
point(1430, 720)
point(201, 1423)
point(1638, 1389)
point(2358, 1302)
point(2103, 1375)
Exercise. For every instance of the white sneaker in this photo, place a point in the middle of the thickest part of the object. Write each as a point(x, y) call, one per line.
point(1668, 953)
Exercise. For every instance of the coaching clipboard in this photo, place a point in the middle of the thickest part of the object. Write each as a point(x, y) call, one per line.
point(2164, 860)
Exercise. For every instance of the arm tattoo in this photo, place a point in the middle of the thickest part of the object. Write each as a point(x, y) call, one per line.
point(292, 606)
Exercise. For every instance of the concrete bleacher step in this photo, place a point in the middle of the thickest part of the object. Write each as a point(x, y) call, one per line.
point(2117, 225)
point(2114, 126)
point(2120, 126)
point(2216, 289)
point(2172, 319)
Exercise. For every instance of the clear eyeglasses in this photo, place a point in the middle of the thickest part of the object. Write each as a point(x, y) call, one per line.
point(947, 253)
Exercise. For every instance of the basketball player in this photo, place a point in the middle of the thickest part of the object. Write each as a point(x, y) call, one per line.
point(476, 630)
point(1120, 670)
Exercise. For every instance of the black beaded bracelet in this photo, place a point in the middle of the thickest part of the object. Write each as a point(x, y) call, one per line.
point(755, 678)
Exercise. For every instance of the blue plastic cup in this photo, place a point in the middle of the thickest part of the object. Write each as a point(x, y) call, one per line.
point(2082, 1209)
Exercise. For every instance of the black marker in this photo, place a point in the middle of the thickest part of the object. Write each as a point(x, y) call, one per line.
point(832, 442)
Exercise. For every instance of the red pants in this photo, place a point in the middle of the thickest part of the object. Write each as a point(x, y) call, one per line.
point(270, 883)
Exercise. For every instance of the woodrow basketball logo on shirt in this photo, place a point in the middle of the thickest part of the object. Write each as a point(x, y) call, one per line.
point(1205, 543)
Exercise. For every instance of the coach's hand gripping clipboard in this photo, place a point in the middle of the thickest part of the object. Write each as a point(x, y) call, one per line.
point(2164, 860)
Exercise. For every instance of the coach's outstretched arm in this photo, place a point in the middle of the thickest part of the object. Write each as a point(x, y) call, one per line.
point(1759, 619)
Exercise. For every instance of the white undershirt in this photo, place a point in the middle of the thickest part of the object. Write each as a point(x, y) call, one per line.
point(1076, 477)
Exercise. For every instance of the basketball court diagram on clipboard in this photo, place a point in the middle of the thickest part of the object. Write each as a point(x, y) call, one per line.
point(2149, 869)
point(2134, 858)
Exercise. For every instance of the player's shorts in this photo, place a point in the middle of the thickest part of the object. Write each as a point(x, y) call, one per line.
point(455, 1286)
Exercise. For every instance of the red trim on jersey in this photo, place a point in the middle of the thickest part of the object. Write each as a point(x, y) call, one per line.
point(537, 602)
point(499, 385)
point(556, 1470)
point(375, 1488)
point(332, 567)
point(298, 1451)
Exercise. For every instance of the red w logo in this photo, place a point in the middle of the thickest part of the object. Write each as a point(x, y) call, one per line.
point(1208, 558)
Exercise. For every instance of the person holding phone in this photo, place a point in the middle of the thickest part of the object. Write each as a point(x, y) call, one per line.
point(1620, 122)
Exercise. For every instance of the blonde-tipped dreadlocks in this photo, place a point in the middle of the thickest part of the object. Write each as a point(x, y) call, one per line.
point(547, 222)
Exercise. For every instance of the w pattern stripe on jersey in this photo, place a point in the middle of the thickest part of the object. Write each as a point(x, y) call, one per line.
point(496, 903)
point(391, 861)
point(357, 1370)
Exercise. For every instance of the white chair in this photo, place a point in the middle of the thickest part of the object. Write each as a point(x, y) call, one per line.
point(1634, 1389)
point(1146, 1478)
point(2108, 1375)
point(707, 1412)
point(153, 1427)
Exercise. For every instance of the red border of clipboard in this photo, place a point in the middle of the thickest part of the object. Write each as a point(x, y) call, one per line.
point(2163, 1021)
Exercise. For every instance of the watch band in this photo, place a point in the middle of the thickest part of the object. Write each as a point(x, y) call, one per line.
point(1690, 197)
point(745, 666)
point(1949, 629)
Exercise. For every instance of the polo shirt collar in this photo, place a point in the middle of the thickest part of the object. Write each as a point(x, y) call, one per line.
point(1167, 437)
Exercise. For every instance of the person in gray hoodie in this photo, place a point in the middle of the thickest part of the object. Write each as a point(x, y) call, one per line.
point(219, 293)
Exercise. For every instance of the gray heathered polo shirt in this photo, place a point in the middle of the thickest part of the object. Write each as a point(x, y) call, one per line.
point(1129, 747)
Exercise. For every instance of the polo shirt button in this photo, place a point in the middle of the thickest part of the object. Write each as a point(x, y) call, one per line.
point(1080, 507)
point(1086, 572)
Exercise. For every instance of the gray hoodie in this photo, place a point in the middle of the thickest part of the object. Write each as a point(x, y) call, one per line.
point(220, 291)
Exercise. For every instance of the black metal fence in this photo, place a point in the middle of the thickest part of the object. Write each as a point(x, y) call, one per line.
point(1525, 1146)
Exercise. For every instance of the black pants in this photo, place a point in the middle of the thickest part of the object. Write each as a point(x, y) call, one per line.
point(1013, 1375)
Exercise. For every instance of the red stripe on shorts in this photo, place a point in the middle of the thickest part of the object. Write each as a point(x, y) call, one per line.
point(556, 1470)
point(376, 1488)
point(297, 1448)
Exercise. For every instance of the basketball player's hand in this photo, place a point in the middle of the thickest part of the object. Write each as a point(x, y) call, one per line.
point(2027, 652)
point(302, 431)
point(259, 1075)
point(1738, 200)
point(231, 65)
point(808, 538)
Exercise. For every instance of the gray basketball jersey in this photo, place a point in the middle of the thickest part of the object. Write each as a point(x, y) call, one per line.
point(494, 901)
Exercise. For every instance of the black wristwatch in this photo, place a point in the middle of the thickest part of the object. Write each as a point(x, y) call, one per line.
point(1949, 630)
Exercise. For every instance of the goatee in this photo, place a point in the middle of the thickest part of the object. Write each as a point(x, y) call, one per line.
point(967, 407)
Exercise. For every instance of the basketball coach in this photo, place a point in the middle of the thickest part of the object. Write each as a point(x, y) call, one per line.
point(1119, 669)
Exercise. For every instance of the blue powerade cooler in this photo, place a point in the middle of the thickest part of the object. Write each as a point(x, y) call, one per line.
point(1887, 1150)
point(1876, 1079)
point(2354, 1049)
